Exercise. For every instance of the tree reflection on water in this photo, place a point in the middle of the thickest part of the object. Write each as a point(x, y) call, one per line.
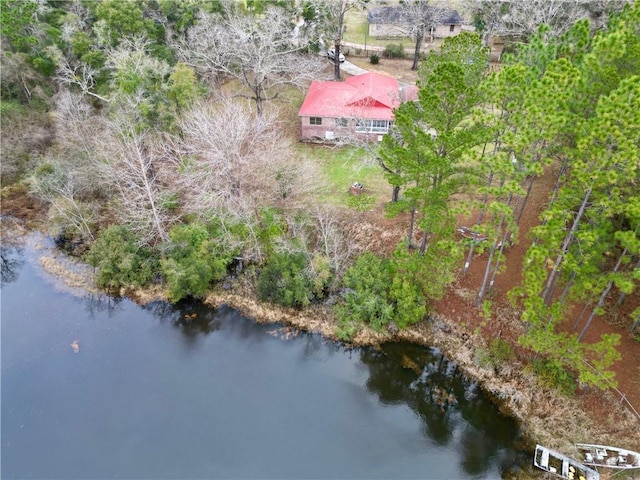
point(11, 258)
point(450, 407)
point(193, 319)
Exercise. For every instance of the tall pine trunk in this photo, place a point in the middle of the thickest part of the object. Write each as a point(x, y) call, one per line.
point(568, 240)
point(467, 262)
point(505, 239)
point(554, 192)
point(492, 252)
point(423, 244)
point(483, 208)
point(603, 296)
point(395, 193)
point(411, 224)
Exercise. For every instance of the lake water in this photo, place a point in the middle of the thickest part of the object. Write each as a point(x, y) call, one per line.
point(100, 388)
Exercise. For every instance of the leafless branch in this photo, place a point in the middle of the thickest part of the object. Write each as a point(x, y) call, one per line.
point(81, 75)
point(259, 53)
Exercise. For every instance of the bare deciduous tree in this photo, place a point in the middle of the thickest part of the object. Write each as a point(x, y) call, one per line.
point(134, 164)
point(233, 162)
point(237, 162)
point(521, 18)
point(81, 75)
point(420, 17)
point(330, 17)
point(227, 150)
point(18, 76)
point(71, 177)
point(237, 154)
point(78, 128)
point(331, 238)
point(260, 53)
point(524, 17)
point(67, 211)
point(25, 136)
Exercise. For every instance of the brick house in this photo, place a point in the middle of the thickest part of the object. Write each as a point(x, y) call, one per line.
point(360, 107)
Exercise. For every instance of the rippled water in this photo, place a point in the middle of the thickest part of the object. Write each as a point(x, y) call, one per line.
point(97, 387)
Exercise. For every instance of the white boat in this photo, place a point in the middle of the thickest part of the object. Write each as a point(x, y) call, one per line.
point(562, 466)
point(610, 457)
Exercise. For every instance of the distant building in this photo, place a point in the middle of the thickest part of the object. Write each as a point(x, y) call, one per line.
point(390, 22)
point(360, 107)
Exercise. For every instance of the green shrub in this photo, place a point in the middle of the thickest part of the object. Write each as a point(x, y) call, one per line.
point(393, 50)
point(8, 107)
point(284, 281)
point(552, 374)
point(374, 59)
point(408, 301)
point(44, 65)
point(196, 257)
point(320, 275)
point(382, 291)
point(361, 202)
point(500, 351)
point(171, 201)
point(367, 298)
point(486, 309)
point(346, 330)
point(271, 227)
point(483, 358)
point(119, 259)
point(409, 275)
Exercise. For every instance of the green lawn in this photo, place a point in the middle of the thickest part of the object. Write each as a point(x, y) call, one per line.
point(342, 167)
point(356, 27)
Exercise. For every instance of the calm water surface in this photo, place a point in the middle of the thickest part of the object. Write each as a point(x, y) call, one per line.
point(190, 392)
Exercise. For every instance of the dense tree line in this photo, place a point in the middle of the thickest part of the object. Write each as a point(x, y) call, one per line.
point(567, 102)
point(154, 132)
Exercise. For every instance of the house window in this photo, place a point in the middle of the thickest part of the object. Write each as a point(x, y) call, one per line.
point(372, 126)
point(452, 28)
point(315, 120)
point(341, 122)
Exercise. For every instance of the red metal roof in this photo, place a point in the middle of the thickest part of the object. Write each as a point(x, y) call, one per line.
point(370, 96)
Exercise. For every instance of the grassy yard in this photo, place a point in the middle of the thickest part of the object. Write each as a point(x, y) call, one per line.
point(341, 168)
point(357, 28)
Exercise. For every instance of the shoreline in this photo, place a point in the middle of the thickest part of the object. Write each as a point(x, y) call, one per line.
point(543, 415)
